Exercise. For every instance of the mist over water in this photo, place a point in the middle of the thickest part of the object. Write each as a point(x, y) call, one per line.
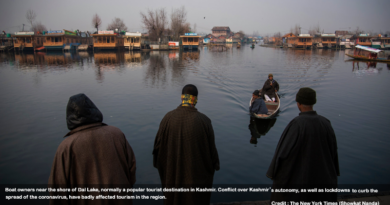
point(134, 90)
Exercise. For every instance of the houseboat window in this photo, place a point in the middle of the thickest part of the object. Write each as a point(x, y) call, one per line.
point(190, 39)
point(108, 39)
point(185, 40)
point(136, 40)
point(16, 40)
point(362, 40)
point(324, 39)
point(112, 40)
point(95, 38)
point(104, 39)
point(100, 39)
point(332, 39)
point(28, 40)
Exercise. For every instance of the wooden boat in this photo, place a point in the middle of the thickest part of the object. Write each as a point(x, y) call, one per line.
point(253, 46)
point(367, 53)
point(273, 108)
point(239, 45)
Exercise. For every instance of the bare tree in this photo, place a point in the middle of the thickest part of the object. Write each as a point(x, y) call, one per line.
point(277, 35)
point(357, 31)
point(30, 16)
point(38, 27)
point(178, 22)
point(96, 21)
point(297, 30)
point(117, 23)
point(155, 22)
point(315, 30)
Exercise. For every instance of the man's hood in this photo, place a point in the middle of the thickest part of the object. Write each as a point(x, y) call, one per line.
point(81, 111)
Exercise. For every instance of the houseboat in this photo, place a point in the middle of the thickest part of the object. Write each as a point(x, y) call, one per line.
point(6, 42)
point(344, 42)
point(385, 43)
point(132, 41)
point(107, 40)
point(190, 41)
point(27, 41)
point(362, 39)
point(303, 41)
point(328, 40)
point(229, 40)
point(285, 39)
point(60, 39)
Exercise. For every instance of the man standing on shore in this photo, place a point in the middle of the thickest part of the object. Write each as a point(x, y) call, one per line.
point(184, 151)
point(306, 156)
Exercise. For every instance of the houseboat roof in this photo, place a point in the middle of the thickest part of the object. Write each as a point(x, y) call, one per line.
point(132, 34)
point(331, 35)
point(182, 36)
point(221, 28)
point(289, 35)
point(24, 33)
point(105, 34)
point(304, 36)
point(372, 50)
point(345, 36)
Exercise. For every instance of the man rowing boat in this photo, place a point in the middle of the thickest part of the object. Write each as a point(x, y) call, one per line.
point(270, 88)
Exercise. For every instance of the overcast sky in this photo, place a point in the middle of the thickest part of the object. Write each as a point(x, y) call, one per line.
point(266, 17)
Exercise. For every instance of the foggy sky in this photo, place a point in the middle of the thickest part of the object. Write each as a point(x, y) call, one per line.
point(266, 17)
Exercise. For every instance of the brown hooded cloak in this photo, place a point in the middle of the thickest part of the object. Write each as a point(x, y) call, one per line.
point(185, 155)
point(93, 154)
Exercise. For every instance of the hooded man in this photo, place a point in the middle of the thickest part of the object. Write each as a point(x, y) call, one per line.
point(184, 151)
point(270, 88)
point(306, 156)
point(91, 154)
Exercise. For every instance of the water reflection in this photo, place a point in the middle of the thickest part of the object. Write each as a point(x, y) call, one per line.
point(108, 61)
point(156, 73)
point(52, 60)
point(360, 68)
point(165, 66)
point(259, 127)
point(8, 58)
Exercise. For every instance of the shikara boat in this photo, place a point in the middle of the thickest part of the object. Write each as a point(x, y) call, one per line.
point(273, 108)
point(239, 45)
point(367, 53)
point(253, 46)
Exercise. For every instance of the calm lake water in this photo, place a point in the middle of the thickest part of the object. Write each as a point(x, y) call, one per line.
point(134, 90)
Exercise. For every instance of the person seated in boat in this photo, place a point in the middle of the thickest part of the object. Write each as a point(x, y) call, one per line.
point(258, 105)
point(270, 88)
